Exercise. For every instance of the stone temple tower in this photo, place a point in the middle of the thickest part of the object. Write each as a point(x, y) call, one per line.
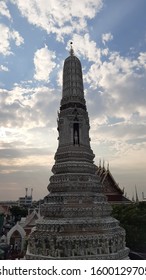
point(76, 221)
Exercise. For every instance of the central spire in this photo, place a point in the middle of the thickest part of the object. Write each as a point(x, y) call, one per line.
point(76, 221)
point(73, 90)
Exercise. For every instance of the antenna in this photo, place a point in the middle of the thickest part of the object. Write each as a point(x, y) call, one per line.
point(31, 192)
point(26, 189)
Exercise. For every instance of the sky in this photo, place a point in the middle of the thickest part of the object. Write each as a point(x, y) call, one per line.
point(109, 38)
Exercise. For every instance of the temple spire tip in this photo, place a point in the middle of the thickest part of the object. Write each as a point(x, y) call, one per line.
point(71, 49)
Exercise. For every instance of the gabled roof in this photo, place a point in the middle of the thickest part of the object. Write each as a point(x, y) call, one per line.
point(4, 209)
point(106, 176)
point(31, 218)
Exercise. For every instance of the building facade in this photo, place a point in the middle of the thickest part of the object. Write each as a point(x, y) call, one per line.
point(76, 221)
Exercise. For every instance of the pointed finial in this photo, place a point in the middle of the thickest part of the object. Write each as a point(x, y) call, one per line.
point(108, 166)
point(137, 200)
point(99, 162)
point(71, 49)
point(133, 198)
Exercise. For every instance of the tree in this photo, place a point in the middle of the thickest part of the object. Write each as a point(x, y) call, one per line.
point(18, 212)
point(133, 219)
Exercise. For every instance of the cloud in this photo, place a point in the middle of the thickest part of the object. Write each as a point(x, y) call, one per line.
point(122, 82)
point(15, 180)
point(5, 40)
point(142, 59)
point(17, 38)
point(16, 159)
point(3, 68)
point(129, 132)
point(26, 106)
point(27, 123)
point(86, 47)
point(4, 10)
point(59, 17)
point(44, 63)
point(30, 114)
point(106, 37)
point(8, 35)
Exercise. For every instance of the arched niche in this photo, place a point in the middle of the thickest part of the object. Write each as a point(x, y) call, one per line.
point(16, 234)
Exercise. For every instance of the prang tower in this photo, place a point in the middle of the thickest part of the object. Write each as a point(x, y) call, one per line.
point(76, 221)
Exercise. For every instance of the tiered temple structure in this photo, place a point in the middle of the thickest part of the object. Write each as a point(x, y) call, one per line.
point(76, 218)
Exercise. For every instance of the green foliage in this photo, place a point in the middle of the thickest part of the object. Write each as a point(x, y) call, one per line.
point(133, 219)
point(18, 212)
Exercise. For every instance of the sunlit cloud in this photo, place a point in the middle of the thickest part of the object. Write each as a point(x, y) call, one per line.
point(44, 63)
point(4, 10)
point(59, 17)
point(7, 36)
point(106, 37)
